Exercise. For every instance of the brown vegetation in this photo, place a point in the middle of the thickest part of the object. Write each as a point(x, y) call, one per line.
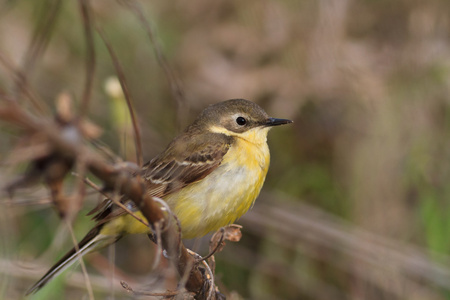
point(356, 201)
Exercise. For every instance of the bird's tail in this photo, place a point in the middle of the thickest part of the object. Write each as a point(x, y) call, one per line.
point(94, 240)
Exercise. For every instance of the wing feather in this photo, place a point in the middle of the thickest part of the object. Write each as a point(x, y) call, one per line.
point(185, 161)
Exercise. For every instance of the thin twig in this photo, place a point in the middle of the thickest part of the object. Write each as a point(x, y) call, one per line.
point(90, 57)
point(128, 288)
point(18, 76)
point(80, 259)
point(105, 149)
point(37, 201)
point(127, 95)
point(112, 269)
point(80, 192)
point(222, 231)
point(118, 203)
point(36, 48)
point(41, 37)
point(175, 86)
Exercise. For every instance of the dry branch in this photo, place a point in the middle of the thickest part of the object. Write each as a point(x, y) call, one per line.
point(67, 142)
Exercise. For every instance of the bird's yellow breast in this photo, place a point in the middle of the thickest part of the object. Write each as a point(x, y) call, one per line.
point(221, 197)
point(224, 195)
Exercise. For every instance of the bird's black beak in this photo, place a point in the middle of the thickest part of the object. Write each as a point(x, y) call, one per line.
point(276, 122)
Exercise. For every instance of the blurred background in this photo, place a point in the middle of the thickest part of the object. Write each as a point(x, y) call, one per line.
point(356, 202)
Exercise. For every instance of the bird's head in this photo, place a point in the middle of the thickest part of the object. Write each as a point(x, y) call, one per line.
point(238, 118)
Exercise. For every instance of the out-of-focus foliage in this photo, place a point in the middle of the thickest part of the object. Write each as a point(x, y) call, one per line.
point(366, 82)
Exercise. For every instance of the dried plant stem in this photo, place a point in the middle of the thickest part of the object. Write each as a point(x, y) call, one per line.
point(90, 56)
point(167, 294)
point(18, 76)
point(175, 86)
point(118, 203)
point(130, 186)
point(127, 95)
point(80, 259)
point(219, 244)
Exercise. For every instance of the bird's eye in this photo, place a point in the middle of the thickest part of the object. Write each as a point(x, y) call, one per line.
point(241, 121)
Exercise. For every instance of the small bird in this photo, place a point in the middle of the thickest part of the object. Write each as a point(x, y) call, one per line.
point(209, 175)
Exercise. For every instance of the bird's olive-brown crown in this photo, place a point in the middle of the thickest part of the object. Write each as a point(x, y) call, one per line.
point(237, 115)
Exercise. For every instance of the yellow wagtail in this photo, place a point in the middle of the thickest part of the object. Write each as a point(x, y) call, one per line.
point(209, 175)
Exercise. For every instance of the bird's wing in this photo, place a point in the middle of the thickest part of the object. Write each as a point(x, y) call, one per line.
point(182, 163)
